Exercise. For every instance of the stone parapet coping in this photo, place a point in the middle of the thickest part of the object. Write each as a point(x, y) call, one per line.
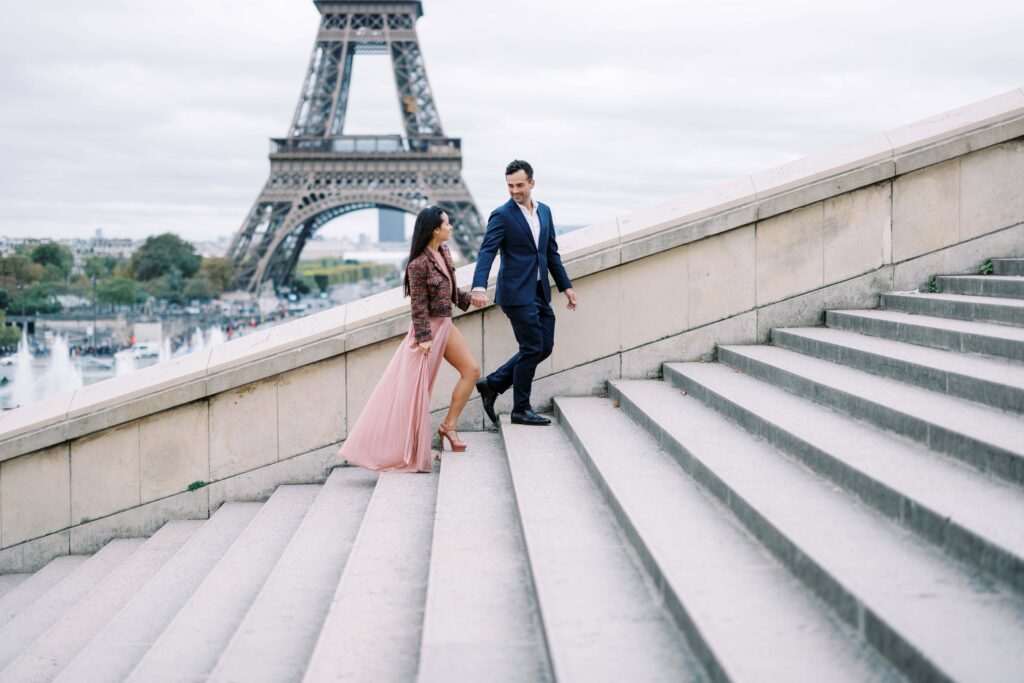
point(594, 248)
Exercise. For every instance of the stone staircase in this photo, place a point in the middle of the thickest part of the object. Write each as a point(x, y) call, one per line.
point(846, 504)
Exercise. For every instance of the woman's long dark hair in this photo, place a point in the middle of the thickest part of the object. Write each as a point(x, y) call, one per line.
point(426, 221)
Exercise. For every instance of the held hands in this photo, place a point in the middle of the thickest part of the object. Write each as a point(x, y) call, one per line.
point(478, 299)
point(571, 296)
point(425, 347)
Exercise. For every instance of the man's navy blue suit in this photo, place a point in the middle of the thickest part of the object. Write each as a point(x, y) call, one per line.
point(524, 299)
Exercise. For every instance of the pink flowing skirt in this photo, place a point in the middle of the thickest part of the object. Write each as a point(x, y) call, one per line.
point(392, 433)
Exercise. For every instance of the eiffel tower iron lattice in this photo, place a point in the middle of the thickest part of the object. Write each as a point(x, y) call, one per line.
point(318, 173)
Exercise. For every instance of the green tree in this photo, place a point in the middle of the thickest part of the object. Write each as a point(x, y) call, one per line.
point(55, 258)
point(119, 291)
point(199, 288)
point(99, 267)
point(169, 287)
point(20, 269)
point(36, 298)
point(9, 335)
point(219, 272)
point(5, 298)
point(161, 254)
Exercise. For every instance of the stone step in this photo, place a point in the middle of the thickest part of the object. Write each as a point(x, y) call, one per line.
point(36, 585)
point(481, 621)
point(375, 621)
point(1005, 286)
point(988, 339)
point(189, 647)
point(43, 659)
point(275, 640)
point(9, 582)
point(945, 502)
point(930, 617)
point(740, 608)
point(602, 617)
point(51, 607)
point(991, 440)
point(987, 309)
point(984, 380)
point(1008, 266)
point(115, 651)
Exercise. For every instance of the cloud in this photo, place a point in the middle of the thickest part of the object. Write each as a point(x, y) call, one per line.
point(141, 116)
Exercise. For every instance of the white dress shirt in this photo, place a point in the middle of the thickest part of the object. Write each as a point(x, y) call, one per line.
point(533, 220)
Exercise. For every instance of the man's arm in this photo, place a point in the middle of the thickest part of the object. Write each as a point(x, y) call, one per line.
point(555, 266)
point(485, 256)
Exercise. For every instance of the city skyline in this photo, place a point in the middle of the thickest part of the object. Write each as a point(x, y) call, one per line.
point(147, 119)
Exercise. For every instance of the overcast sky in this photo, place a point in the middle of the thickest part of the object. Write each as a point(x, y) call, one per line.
point(144, 116)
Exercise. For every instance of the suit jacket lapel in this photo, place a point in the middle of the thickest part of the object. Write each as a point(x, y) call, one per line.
point(517, 215)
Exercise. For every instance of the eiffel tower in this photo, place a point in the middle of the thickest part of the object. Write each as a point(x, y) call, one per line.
point(317, 173)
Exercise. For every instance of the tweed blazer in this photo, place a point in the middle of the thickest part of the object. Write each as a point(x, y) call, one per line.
point(431, 291)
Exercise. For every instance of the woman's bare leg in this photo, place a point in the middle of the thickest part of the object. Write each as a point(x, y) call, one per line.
point(461, 358)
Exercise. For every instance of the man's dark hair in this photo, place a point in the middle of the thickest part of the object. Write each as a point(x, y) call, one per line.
point(520, 165)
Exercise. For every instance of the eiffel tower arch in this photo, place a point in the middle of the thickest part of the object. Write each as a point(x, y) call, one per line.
point(318, 173)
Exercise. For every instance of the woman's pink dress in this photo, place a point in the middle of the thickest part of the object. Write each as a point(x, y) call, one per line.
point(393, 433)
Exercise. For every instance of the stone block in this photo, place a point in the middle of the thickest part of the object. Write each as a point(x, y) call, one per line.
point(363, 370)
point(311, 407)
point(817, 167)
point(721, 272)
point(371, 309)
point(257, 485)
point(33, 555)
point(471, 328)
point(925, 210)
point(588, 240)
point(991, 189)
point(592, 331)
point(654, 297)
point(959, 259)
point(86, 422)
point(34, 416)
point(241, 350)
point(243, 429)
point(687, 208)
point(174, 450)
point(702, 228)
point(956, 122)
point(104, 473)
point(644, 362)
point(809, 309)
point(35, 495)
point(139, 522)
point(140, 385)
point(790, 254)
point(856, 227)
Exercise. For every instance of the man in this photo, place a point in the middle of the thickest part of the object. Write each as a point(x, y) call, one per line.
point(522, 230)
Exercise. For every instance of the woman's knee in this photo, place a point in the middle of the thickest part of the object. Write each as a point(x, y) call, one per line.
point(472, 373)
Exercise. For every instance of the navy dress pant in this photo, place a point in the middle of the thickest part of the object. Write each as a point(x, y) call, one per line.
point(534, 328)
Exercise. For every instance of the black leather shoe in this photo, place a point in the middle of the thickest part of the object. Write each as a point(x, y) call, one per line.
point(528, 417)
point(487, 397)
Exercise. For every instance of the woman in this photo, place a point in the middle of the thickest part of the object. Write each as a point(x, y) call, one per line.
point(393, 431)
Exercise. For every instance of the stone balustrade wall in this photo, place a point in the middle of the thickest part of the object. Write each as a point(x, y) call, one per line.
point(722, 265)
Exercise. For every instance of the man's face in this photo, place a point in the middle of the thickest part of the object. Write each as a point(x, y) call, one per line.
point(519, 187)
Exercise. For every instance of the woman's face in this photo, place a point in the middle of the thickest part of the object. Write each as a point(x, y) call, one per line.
point(443, 232)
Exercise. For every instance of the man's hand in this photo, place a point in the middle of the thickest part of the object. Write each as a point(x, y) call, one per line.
point(571, 296)
point(478, 299)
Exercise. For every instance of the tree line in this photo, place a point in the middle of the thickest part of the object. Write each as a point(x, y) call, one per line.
point(165, 267)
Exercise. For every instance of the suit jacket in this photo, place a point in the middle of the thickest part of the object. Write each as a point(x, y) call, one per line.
point(432, 292)
point(509, 234)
